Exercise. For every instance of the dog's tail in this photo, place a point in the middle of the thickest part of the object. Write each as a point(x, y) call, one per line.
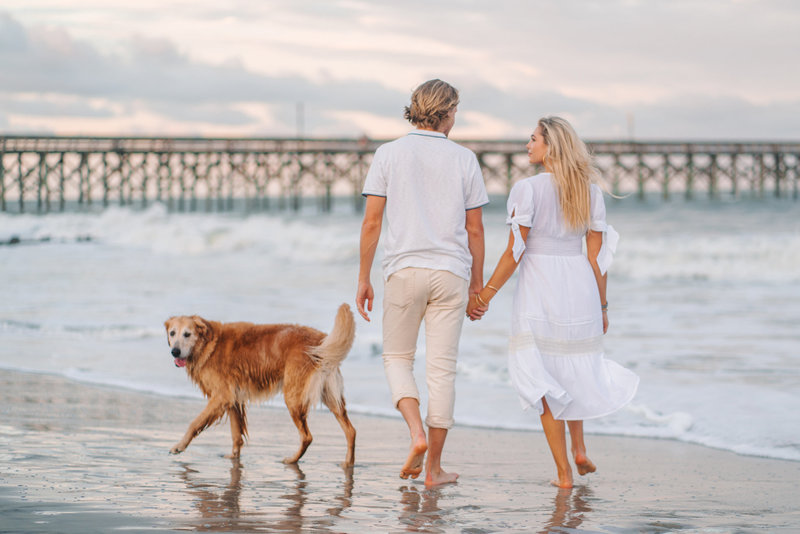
point(335, 346)
point(328, 355)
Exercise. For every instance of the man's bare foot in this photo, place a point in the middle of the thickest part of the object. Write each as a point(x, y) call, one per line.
point(584, 464)
point(413, 466)
point(439, 478)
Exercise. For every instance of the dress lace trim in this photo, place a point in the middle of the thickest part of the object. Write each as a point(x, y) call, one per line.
point(556, 347)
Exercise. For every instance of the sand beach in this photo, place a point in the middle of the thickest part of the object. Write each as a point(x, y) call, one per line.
point(82, 458)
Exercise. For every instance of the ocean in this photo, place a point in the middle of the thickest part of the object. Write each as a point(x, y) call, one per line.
point(704, 306)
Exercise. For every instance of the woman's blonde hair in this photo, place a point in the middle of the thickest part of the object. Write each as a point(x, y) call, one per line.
point(573, 171)
point(430, 103)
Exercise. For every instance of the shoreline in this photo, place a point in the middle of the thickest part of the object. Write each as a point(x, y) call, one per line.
point(88, 458)
point(277, 404)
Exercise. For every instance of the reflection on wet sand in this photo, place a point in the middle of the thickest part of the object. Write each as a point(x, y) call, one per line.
point(346, 499)
point(220, 509)
point(420, 510)
point(296, 496)
point(341, 503)
point(569, 508)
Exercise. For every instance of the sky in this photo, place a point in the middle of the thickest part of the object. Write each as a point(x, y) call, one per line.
point(618, 69)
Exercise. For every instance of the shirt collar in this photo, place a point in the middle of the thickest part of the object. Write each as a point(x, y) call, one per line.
point(427, 133)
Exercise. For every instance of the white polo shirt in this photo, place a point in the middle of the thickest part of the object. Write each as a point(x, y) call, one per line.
point(429, 183)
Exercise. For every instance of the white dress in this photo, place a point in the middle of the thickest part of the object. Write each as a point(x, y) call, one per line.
point(556, 346)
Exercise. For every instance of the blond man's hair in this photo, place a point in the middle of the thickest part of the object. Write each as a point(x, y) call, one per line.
point(572, 168)
point(430, 104)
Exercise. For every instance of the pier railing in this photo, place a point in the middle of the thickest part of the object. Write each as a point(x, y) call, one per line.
point(43, 174)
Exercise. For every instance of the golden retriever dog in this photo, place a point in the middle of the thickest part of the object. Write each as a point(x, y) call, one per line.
point(234, 363)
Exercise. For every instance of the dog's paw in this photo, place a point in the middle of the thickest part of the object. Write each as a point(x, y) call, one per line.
point(177, 449)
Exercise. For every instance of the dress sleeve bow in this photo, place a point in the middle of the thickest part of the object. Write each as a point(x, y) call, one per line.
point(519, 244)
point(609, 246)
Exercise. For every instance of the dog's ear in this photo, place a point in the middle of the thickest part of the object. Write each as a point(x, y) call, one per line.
point(202, 328)
point(167, 325)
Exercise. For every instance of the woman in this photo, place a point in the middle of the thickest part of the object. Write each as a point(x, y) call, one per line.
point(560, 313)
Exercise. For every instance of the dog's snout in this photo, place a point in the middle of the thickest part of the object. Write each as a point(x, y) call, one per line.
point(176, 352)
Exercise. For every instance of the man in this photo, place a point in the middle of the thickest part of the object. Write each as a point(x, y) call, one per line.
point(432, 191)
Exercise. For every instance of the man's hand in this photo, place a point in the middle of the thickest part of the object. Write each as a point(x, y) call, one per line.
point(474, 310)
point(364, 293)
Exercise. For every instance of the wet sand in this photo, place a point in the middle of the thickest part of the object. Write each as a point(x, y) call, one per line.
point(77, 458)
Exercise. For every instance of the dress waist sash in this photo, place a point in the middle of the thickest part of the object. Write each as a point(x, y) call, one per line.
point(552, 246)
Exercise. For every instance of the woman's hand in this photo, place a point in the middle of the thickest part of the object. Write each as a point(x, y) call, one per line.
point(605, 321)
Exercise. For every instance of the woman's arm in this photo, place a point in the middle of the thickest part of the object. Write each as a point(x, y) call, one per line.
point(594, 241)
point(506, 265)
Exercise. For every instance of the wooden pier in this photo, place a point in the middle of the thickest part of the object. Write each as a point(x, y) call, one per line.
point(43, 174)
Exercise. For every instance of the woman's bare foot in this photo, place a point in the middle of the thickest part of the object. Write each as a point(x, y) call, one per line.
point(584, 464)
point(413, 466)
point(438, 478)
point(564, 483)
point(564, 479)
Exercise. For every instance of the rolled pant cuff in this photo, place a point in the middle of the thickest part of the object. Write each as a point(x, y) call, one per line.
point(397, 398)
point(439, 422)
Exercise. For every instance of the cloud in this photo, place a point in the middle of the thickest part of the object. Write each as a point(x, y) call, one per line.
point(352, 65)
point(702, 117)
point(153, 73)
point(50, 104)
point(45, 60)
point(13, 37)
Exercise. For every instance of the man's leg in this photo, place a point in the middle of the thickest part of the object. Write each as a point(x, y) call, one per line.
point(403, 309)
point(409, 407)
point(443, 321)
point(434, 474)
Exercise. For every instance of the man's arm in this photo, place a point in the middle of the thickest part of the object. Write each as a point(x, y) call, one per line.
point(476, 245)
point(370, 234)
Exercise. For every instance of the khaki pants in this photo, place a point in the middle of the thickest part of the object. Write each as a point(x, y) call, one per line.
point(440, 297)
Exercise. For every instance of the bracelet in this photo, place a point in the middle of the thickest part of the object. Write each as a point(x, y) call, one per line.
point(480, 300)
point(489, 286)
point(604, 307)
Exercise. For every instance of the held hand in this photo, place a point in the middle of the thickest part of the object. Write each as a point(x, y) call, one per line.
point(475, 287)
point(364, 293)
point(474, 310)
